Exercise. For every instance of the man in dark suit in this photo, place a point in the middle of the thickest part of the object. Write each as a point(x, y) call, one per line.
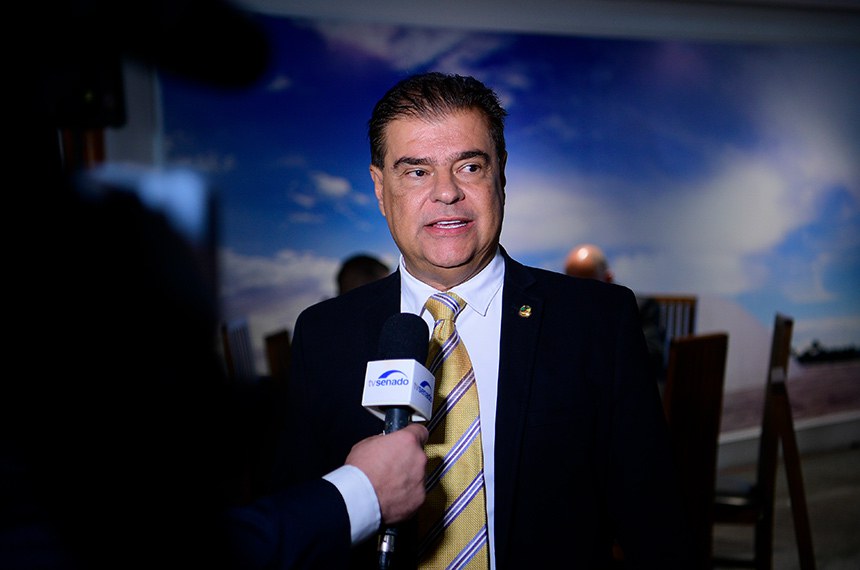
point(575, 451)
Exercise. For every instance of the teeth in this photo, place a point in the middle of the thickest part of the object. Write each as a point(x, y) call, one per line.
point(450, 223)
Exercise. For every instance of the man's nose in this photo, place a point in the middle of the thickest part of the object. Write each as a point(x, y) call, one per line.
point(446, 189)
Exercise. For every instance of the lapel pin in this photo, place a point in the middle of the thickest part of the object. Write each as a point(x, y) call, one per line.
point(525, 311)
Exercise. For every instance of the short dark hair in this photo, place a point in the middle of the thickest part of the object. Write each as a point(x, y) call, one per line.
point(435, 94)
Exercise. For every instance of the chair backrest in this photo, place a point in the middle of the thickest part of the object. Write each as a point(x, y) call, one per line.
point(238, 352)
point(768, 453)
point(677, 315)
point(279, 355)
point(693, 402)
point(780, 346)
point(780, 350)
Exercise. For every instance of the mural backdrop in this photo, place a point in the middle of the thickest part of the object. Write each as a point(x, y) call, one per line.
point(726, 170)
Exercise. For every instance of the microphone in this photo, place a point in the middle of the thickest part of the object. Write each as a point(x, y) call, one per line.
point(399, 389)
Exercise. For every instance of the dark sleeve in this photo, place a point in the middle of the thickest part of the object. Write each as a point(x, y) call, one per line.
point(305, 526)
point(644, 494)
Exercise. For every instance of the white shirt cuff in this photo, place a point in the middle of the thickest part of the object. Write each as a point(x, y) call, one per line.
point(360, 498)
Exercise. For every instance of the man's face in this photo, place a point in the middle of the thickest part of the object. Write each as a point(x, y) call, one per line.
point(442, 194)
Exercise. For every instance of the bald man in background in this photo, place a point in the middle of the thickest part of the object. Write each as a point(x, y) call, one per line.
point(589, 262)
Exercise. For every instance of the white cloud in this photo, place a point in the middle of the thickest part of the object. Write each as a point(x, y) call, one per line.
point(303, 200)
point(805, 106)
point(293, 161)
point(746, 207)
point(210, 162)
point(279, 83)
point(688, 272)
point(331, 186)
point(402, 48)
point(704, 237)
point(554, 125)
point(363, 199)
point(443, 49)
point(270, 292)
point(806, 285)
point(718, 234)
point(305, 218)
point(242, 273)
point(545, 213)
point(330, 191)
point(405, 48)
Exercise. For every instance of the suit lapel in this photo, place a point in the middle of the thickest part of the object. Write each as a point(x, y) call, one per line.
point(384, 302)
point(521, 316)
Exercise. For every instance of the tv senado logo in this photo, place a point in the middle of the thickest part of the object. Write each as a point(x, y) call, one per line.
point(392, 378)
point(423, 389)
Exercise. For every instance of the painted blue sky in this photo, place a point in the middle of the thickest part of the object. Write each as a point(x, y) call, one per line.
point(726, 170)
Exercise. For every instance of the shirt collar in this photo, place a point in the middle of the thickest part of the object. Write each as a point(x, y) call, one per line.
point(478, 291)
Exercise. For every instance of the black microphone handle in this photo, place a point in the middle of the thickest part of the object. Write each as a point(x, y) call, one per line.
point(396, 418)
point(386, 547)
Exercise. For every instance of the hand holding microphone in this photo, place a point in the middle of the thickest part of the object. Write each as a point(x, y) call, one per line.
point(395, 465)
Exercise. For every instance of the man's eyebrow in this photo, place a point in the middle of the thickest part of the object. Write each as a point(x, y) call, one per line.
point(465, 155)
point(410, 161)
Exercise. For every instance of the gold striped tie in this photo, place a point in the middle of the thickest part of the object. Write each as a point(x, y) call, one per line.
point(453, 520)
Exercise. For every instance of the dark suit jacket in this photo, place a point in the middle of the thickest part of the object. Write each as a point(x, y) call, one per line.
point(305, 526)
point(581, 452)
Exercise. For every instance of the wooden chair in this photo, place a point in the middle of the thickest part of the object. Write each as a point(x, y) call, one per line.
point(279, 355)
point(752, 503)
point(693, 403)
point(259, 404)
point(677, 316)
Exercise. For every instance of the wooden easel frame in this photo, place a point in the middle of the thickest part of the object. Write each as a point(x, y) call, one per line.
point(777, 428)
point(782, 422)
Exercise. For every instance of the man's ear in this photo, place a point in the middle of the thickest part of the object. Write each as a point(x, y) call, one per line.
point(377, 176)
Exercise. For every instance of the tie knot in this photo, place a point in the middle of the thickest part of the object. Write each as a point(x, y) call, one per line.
point(445, 306)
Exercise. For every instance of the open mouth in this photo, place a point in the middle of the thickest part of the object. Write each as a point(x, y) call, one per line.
point(450, 224)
